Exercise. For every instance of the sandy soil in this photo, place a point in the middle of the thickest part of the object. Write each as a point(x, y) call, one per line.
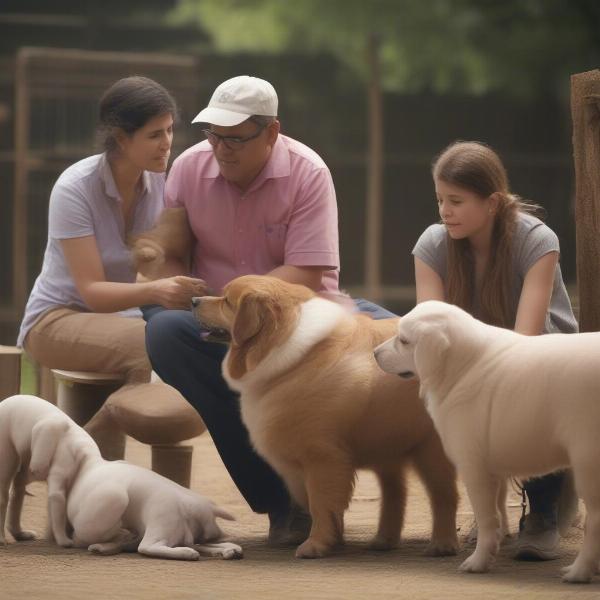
point(39, 570)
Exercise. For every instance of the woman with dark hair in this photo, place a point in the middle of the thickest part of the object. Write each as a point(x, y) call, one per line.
point(492, 257)
point(82, 313)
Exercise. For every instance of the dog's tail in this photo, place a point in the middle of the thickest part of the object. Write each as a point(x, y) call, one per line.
point(223, 514)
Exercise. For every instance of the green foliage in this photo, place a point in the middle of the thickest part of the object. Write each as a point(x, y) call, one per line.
point(28, 378)
point(525, 47)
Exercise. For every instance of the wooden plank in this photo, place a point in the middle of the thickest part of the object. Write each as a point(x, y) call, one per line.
point(585, 110)
point(46, 384)
point(373, 237)
point(20, 220)
point(10, 371)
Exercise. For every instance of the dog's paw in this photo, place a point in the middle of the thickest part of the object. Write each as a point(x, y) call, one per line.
point(383, 543)
point(65, 542)
point(576, 574)
point(106, 549)
point(182, 553)
point(475, 564)
point(24, 535)
point(233, 552)
point(311, 548)
point(442, 548)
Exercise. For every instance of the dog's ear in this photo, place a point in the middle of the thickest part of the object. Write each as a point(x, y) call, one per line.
point(432, 343)
point(250, 316)
point(45, 436)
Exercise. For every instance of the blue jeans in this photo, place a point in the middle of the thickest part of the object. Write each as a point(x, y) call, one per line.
point(193, 366)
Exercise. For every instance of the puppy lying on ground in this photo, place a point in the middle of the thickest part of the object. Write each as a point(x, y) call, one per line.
point(38, 441)
point(165, 249)
point(111, 506)
point(116, 506)
point(506, 404)
point(317, 408)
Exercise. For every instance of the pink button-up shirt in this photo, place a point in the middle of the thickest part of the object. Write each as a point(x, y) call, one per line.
point(288, 215)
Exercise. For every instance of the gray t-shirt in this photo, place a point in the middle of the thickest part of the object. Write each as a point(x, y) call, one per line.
point(532, 240)
point(85, 201)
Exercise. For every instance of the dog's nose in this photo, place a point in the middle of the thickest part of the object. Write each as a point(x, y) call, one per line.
point(196, 301)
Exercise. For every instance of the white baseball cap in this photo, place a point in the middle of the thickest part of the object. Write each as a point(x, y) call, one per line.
point(237, 99)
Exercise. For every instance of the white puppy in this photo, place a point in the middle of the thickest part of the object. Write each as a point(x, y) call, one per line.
point(38, 441)
point(116, 506)
point(506, 404)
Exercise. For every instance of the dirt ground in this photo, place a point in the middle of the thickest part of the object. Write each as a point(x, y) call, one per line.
point(38, 570)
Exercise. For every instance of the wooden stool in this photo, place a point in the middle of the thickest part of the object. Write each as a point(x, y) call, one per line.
point(174, 462)
point(154, 414)
point(81, 394)
point(10, 371)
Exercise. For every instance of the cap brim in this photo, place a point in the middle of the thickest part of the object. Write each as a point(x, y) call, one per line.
point(219, 116)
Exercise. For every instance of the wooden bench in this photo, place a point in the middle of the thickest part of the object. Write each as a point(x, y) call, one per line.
point(10, 371)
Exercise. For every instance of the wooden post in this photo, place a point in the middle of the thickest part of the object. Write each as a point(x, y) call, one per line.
point(10, 371)
point(173, 462)
point(46, 384)
point(374, 175)
point(19, 241)
point(585, 110)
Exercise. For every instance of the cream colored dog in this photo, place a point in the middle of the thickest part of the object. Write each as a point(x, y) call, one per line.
point(111, 506)
point(317, 408)
point(506, 404)
point(116, 506)
point(39, 442)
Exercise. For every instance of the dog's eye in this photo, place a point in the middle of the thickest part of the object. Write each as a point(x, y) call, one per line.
point(403, 341)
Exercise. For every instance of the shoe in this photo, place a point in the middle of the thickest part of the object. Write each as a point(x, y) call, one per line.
point(538, 539)
point(289, 528)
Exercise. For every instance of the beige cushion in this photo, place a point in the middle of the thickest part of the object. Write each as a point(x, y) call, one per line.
point(154, 413)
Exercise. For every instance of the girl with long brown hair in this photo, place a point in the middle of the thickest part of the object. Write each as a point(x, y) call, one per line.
point(494, 258)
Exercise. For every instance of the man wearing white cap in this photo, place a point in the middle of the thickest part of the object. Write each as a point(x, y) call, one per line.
point(258, 202)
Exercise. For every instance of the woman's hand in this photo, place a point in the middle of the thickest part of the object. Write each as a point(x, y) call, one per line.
point(177, 292)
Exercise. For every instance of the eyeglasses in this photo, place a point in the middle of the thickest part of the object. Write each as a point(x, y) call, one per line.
point(231, 142)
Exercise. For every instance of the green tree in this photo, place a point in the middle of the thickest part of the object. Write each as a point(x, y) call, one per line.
point(524, 47)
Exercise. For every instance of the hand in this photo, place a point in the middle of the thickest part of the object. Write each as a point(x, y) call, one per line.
point(177, 292)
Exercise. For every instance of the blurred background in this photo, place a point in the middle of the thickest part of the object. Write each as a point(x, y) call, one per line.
point(376, 87)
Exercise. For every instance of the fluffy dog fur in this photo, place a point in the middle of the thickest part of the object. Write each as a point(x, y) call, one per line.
point(38, 441)
point(318, 408)
point(506, 404)
point(166, 248)
point(115, 506)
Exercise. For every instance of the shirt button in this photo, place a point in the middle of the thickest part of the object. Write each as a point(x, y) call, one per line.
point(243, 262)
point(240, 231)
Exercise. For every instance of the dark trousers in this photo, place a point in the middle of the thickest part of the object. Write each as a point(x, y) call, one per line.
point(543, 493)
point(193, 366)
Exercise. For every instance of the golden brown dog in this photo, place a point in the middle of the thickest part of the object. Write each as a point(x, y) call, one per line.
point(165, 249)
point(318, 407)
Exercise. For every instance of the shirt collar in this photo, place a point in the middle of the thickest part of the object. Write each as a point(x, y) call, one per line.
point(278, 164)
